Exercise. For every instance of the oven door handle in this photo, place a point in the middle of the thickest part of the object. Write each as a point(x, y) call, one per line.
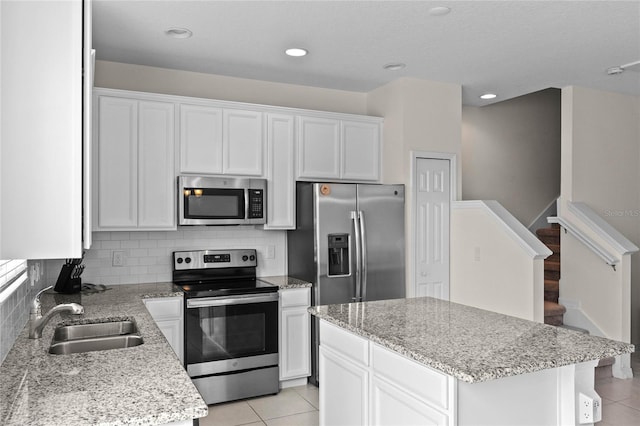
point(206, 302)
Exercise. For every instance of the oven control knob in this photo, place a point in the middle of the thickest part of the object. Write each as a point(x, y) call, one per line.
point(179, 260)
point(252, 258)
point(187, 259)
point(245, 258)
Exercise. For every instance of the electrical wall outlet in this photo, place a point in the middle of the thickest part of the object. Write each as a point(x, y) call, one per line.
point(271, 252)
point(589, 408)
point(117, 258)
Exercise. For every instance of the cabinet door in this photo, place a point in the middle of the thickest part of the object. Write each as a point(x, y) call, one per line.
point(281, 188)
point(391, 406)
point(167, 314)
point(172, 331)
point(344, 390)
point(41, 103)
point(295, 357)
point(156, 175)
point(360, 151)
point(318, 148)
point(200, 139)
point(117, 163)
point(242, 143)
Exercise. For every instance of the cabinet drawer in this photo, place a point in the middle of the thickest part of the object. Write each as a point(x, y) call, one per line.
point(164, 308)
point(345, 343)
point(425, 383)
point(295, 297)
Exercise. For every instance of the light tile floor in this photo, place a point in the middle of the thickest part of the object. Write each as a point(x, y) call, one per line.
point(297, 406)
point(621, 398)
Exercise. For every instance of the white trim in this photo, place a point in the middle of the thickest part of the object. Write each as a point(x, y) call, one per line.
point(605, 231)
point(101, 91)
point(514, 228)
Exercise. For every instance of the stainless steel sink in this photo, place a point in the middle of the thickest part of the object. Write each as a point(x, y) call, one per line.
point(99, 336)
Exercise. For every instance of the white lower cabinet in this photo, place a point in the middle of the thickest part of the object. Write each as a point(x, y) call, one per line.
point(295, 336)
point(363, 383)
point(167, 313)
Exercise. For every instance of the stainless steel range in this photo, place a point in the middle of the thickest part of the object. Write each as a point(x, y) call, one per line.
point(231, 324)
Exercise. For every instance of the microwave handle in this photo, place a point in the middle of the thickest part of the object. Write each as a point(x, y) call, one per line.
point(246, 203)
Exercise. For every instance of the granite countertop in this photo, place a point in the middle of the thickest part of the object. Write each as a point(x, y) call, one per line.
point(142, 385)
point(470, 344)
point(286, 282)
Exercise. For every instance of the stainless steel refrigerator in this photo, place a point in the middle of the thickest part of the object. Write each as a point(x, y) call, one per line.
point(348, 242)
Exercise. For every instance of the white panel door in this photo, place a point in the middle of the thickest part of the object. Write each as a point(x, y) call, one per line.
point(318, 148)
point(200, 139)
point(242, 143)
point(117, 162)
point(432, 206)
point(281, 184)
point(360, 151)
point(156, 174)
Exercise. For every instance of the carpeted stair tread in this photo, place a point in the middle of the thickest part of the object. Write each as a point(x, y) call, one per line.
point(553, 313)
point(551, 265)
point(551, 285)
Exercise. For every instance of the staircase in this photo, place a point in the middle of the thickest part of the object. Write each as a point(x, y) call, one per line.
point(553, 312)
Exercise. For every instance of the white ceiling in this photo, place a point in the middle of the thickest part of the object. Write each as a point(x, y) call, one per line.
point(507, 47)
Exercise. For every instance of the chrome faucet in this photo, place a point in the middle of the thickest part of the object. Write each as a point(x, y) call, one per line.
point(37, 321)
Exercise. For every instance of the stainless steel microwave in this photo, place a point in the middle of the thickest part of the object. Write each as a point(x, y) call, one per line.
point(221, 201)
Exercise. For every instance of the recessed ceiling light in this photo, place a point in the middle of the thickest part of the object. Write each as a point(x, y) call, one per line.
point(394, 66)
point(488, 96)
point(439, 11)
point(296, 52)
point(178, 33)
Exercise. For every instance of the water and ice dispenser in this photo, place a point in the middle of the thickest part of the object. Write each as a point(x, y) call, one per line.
point(338, 246)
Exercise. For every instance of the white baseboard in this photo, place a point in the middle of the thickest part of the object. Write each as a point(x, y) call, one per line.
point(576, 318)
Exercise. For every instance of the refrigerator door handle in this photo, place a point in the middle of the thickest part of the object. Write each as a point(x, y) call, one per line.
point(363, 257)
point(358, 243)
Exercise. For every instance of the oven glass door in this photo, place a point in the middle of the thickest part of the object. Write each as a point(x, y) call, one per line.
point(214, 203)
point(229, 330)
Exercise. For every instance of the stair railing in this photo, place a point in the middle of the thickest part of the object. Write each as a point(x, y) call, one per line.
point(592, 221)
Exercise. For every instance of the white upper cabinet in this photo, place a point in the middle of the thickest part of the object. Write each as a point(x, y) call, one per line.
point(221, 141)
point(156, 177)
point(318, 148)
point(134, 162)
point(200, 139)
point(41, 163)
point(338, 149)
point(360, 151)
point(281, 185)
point(242, 143)
point(117, 153)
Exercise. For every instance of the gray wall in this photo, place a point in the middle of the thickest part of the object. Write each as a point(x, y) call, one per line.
point(511, 153)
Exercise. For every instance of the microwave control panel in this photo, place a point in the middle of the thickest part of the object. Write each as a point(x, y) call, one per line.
point(256, 203)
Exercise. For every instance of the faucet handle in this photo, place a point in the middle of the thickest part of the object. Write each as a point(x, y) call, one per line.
point(35, 304)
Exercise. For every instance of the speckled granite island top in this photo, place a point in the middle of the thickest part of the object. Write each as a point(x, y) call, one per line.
point(142, 385)
point(470, 344)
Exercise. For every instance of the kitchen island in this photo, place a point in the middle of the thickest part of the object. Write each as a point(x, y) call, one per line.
point(141, 385)
point(428, 361)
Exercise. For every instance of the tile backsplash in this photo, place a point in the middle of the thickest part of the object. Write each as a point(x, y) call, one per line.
point(14, 306)
point(146, 256)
